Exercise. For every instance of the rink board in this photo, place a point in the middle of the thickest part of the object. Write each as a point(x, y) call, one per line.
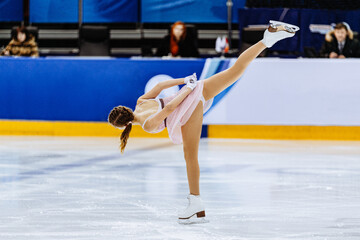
point(212, 131)
point(274, 99)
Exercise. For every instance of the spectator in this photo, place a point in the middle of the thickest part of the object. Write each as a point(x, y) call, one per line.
point(178, 43)
point(22, 44)
point(340, 43)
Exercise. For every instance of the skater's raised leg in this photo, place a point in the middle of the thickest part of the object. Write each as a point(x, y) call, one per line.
point(218, 82)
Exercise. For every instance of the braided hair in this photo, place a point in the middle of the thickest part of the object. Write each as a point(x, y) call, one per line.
point(121, 116)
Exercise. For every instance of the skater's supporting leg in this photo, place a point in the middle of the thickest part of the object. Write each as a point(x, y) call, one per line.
point(191, 133)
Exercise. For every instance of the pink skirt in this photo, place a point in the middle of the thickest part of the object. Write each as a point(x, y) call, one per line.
point(184, 111)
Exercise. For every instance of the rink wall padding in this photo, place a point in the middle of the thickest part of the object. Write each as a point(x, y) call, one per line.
point(100, 129)
point(285, 132)
point(61, 128)
point(307, 99)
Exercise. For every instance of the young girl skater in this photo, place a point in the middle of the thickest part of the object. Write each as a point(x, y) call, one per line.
point(182, 114)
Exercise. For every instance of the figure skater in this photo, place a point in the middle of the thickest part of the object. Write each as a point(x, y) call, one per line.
point(182, 113)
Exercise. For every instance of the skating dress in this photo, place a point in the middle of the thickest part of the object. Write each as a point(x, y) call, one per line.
point(182, 113)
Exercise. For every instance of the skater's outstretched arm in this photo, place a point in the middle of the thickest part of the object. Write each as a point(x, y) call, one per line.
point(155, 91)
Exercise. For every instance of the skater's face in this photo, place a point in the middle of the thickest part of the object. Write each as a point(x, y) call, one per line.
point(340, 34)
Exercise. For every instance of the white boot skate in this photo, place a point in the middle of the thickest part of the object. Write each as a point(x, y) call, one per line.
point(278, 31)
point(195, 211)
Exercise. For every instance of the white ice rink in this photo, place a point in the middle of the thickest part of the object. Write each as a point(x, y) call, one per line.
point(82, 188)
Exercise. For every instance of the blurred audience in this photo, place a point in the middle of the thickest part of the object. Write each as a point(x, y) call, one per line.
point(22, 44)
point(178, 43)
point(340, 43)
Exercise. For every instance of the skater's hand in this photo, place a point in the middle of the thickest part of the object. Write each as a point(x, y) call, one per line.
point(186, 80)
point(191, 83)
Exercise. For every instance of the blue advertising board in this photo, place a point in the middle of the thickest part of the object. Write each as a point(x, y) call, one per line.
point(103, 11)
point(94, 11)
point(11, 10)
point(192, 11)
point(79, 89)
point(54, 11)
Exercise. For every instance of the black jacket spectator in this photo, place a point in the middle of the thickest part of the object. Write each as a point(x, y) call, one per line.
point(331, 47)
point(351, 48)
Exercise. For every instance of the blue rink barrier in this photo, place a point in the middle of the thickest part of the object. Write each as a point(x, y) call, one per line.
point(73, 96)
point(79, 89)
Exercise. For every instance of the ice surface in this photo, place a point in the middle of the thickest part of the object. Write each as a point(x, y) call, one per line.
point(83, 188)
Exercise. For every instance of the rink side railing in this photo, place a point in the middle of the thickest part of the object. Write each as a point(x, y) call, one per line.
point(96, 129)
point(306, 99)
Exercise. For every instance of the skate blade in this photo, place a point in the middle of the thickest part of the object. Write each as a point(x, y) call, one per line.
point(193, 220)
point(288, 27)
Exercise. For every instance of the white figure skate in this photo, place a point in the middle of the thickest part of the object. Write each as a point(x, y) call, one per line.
point(278, 31)
point(194, 213)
